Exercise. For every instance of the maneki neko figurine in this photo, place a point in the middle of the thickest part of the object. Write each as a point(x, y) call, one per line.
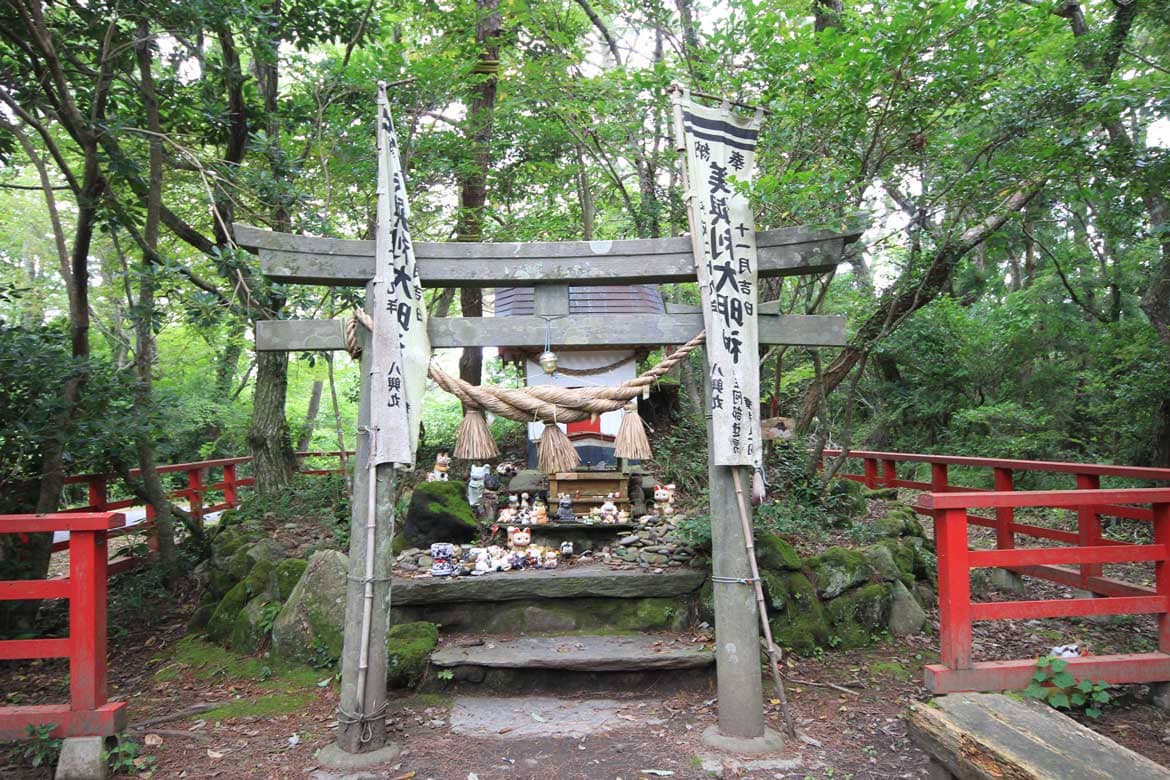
point(442, 466)
point(475, 483)
point(565, 509)
point(609, 511)
point(664, 500)
point(508, 514)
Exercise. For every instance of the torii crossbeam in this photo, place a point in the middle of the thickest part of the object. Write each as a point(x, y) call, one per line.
point(551, 268)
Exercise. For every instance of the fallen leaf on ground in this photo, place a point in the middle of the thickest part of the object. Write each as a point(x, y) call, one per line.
point(152, 740)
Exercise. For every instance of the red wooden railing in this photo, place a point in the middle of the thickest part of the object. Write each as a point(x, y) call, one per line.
point(950, 505)
point(87, 713)
point(958, 672)
point(202, 487)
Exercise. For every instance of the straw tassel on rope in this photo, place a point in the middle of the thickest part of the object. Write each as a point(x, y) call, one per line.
point(631, 441)
point(474, 441)
point(557, 453)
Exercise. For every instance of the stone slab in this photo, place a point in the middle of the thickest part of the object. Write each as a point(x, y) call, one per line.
point(581, 653)
point(544, 717)
point(584, 581)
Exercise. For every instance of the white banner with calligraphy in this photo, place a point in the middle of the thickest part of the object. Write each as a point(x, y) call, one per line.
point(720, 148)
point(402, 349)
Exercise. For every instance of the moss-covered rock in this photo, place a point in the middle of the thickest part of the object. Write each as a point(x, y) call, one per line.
point(266, 549)
point(706, 608)
point(899, 520)
point(288, 573)
point(408, 646)
point(855, 617)
point(223, 617)
point(903, 552)
point(438, 512)
point(839, 569)
point(250, 629)
point(310, 624)
point(881, 559)
point(906, 614)
point(925, 560)
point(201, 616)
point(260, 581)
point(774, 553)
point(796, 616)
point(849, 500)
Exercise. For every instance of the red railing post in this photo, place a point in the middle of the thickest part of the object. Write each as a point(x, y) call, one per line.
point(229, 485)
point(87, 619)
point(1162, 572)
point(938, 476)
point(195, 493)
point(98, 497)
point(954, 587)
point(871, 473)
point(1004, 515)
point(1088, 527)
point(889, 473)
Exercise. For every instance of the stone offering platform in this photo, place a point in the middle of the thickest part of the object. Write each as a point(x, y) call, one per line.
point(584, 597)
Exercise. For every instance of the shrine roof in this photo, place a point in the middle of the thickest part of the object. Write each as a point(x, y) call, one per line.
point(589, 299)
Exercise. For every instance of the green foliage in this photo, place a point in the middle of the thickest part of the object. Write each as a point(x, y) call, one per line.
point(681, 454)
point(1054, 684)
point(35, 364)
point(39, 748)
point(126, 757)
point(323, 498)
point(801, 502)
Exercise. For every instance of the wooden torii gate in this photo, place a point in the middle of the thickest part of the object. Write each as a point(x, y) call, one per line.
point(550, 268)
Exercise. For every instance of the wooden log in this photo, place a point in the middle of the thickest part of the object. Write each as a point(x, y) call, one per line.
point(330, 261)
point(979, 736)
point(598, 331)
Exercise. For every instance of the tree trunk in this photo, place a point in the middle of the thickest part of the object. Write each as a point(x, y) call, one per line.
point(144, 313)
point(897, 304)
point(269, 439)
point(311, 415)
point(473, 184)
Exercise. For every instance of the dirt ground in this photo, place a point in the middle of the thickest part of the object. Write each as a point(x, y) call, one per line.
point(848, 707)
point(197, 711)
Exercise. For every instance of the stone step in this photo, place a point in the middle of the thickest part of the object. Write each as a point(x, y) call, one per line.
point(581, 653)
point(579, 581)
point(586, 597)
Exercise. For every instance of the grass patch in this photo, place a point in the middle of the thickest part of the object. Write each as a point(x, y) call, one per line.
point(288, 688)
point(261, 706)
point(890, 669)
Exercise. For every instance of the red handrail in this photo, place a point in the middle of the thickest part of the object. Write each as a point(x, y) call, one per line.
point(87, 713)
point(958, 672)
point(199, 487)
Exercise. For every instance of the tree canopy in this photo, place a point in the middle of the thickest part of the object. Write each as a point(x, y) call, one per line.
point(1011, 295)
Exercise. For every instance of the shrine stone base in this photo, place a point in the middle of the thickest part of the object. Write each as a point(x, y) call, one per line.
point(333, 757)
point(770, 742)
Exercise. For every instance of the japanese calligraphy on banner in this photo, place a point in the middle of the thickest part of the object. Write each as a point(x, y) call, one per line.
point(401, 347)
point(719, 148)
